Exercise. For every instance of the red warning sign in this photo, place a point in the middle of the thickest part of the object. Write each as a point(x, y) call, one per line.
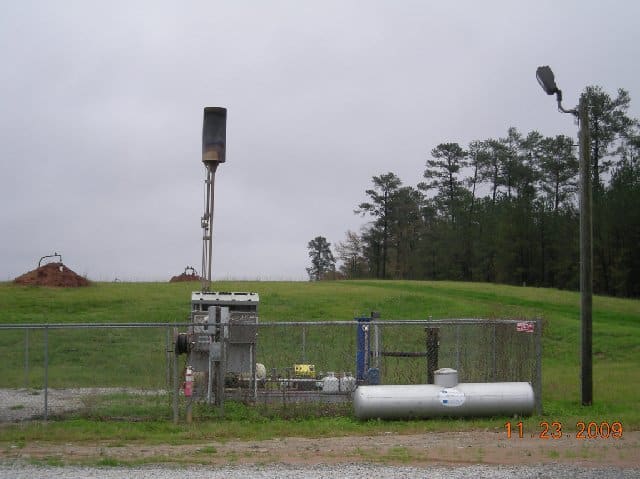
point(525, 327)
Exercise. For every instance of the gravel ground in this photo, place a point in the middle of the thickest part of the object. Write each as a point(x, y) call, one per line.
point(24, 404)
point(20, 405)
point(364, 471)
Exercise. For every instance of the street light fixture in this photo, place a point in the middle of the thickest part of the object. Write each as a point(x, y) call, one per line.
point(547, 82)
point(546, 79)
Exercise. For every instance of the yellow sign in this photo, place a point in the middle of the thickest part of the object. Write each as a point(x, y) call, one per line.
point(305, 370)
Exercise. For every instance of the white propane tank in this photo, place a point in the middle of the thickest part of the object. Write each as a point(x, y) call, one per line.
point(347, 383)
point(430, 400)
point(330, 384)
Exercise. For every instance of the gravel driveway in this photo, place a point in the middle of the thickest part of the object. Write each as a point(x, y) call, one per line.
point(321, 457)
point(364, 471)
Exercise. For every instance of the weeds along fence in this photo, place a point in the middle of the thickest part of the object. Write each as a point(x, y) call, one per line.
point(130, 370)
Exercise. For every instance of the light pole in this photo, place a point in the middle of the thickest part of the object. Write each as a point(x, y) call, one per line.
point(547, 82)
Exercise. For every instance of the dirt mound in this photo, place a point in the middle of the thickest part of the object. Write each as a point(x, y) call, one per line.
point(185, 277)
point(52, 274)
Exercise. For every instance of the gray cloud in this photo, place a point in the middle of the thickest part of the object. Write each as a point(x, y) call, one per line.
point(102, 115)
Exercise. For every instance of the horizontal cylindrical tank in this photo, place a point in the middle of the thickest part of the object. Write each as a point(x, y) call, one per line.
point(430, 400)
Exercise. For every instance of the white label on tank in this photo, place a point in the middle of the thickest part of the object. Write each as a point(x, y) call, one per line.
point(451, 397)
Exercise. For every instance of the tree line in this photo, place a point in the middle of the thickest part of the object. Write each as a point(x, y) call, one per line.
point(505, 210)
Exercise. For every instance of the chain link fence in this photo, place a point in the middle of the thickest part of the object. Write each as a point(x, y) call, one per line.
point(129, 371)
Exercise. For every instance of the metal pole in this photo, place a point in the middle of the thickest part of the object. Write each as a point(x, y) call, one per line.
point(46, 373)
point(26, 358)
point(494, 354)
point(432, 353)
point(176, 391)
point(586, 255)
point(204, 222)
point(458, 348)
point(210, 372)
point(212, 199)
point(376, 345)
point(167, 353)
point(254, 379)
point(189, 410)
point(222, 368)
point(366, 349)
point(537, 381)
point(207, 226)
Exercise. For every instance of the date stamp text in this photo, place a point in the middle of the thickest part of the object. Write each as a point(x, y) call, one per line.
point(555, 430)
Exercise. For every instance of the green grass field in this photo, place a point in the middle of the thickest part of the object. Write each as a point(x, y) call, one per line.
point(106, 357)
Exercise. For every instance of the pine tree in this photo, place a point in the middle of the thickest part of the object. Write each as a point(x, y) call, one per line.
point(322, 260)
point(380, 207)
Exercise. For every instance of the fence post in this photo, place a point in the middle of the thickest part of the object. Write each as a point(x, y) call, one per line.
point(26, 358)
point(432, 353)
point(458, 348)
point(167, 357)
point(175, 382)
point(46, 372)
point(494, 372)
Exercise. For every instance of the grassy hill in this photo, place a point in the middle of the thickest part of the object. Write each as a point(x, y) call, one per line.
point(115, 354)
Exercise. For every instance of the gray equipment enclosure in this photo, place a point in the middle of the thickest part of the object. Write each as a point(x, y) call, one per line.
point(222, 342)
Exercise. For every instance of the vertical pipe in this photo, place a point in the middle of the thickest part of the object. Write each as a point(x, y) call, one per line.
point(207, 225)
point(255, 368)
point(222, 368)
point(210, 371)
point(213, 179)
point(254, 380)
point(212, 329)
point(204, 222)
point(376, 345)
point(215, 375)
point(46, 372)
point(189, 410)
point(362, 338)
point(366, 349)
point(26, 358)
point(175, 387)
point(537, 382)
point(586, 255)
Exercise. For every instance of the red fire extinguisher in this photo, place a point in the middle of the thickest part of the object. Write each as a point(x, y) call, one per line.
point(188, 382)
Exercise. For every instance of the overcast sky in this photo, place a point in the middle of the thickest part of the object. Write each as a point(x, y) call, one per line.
point(102, 105)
